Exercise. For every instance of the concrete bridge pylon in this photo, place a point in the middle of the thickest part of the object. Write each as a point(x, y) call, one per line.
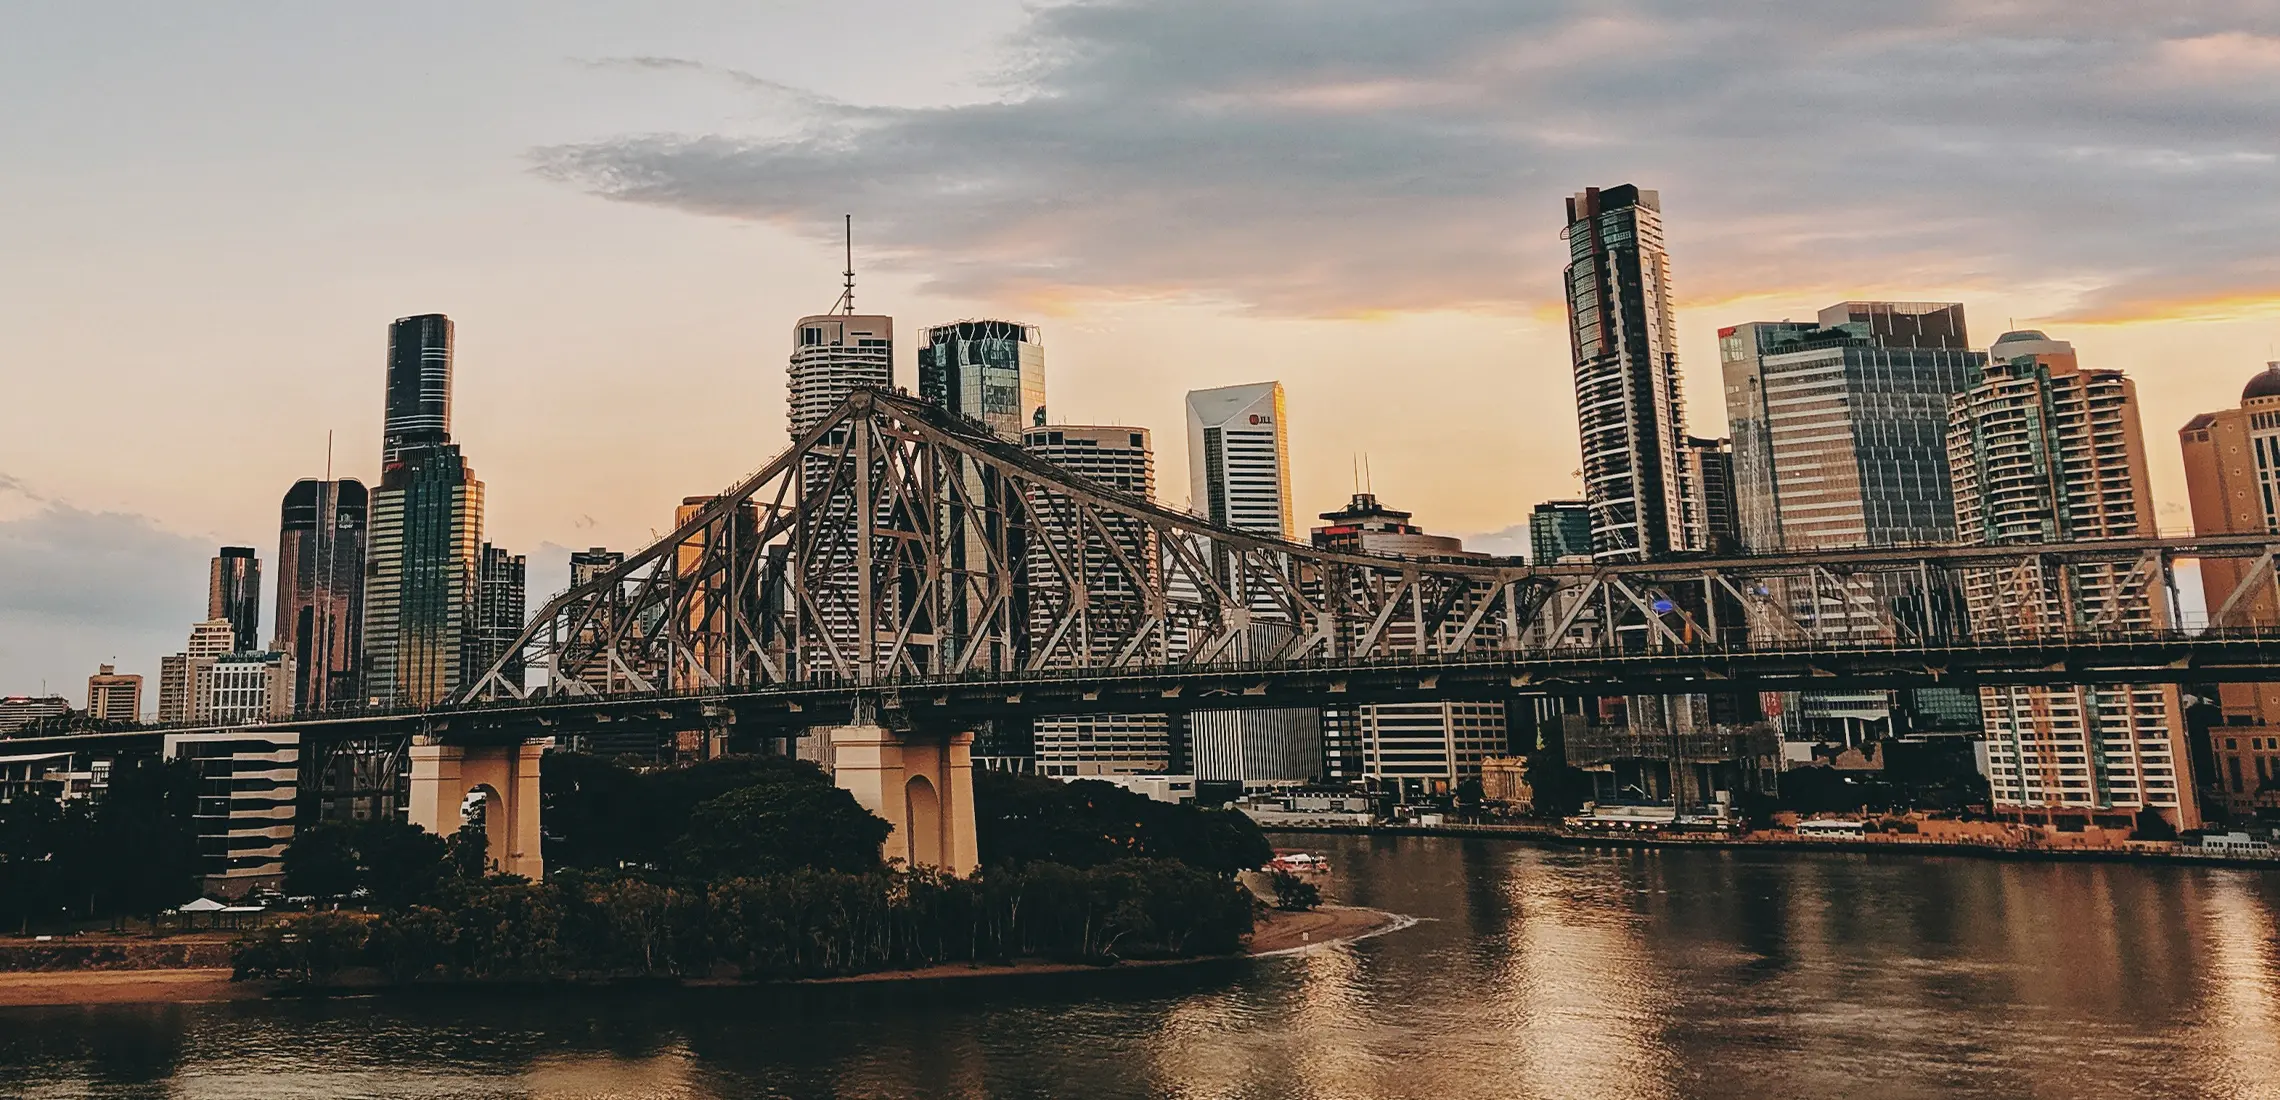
point(921, 783)
point(506, 775)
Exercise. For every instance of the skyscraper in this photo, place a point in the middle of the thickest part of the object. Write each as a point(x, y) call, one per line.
point(1840, 440)
point(1239, 476)
point(501, 609)
point(233, 592)
point(1625, 345)
point(421, 577)
point(1840, 425)
point(1559, 529)
point(1239, 458)
point(320, 589)
point(2045, 451)
point(422, 570)
point(833, 355)
point(1122, 459)
point(418, 411)
point(112, 697)
point(2232, 477)
point(987, 371)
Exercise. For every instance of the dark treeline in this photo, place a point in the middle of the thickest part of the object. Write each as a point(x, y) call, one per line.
point(762, 868)
point(131, 853)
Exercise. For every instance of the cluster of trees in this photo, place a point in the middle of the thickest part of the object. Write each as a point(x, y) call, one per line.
point(802, 923)
point(1022, 819)
point(762, 868)
point(132, 853)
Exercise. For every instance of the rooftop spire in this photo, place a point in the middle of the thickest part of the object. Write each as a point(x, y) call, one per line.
point(847, 295)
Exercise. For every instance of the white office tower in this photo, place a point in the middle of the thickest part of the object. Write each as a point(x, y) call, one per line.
point(1121, 459)
point(1239, 458)
point(1239, 476)
point(2043, 450)
point(833, 355)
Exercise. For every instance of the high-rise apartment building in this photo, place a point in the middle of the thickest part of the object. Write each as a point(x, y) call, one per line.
point(992, 372)
point(178, 673)
point(418, 409)
point(1558, 530)
point(422, 566)
point(1410, 751)
point(112, 697)
point(834, 355)
point(1840, 440)
point(501, 610)
point(2232, 477)
point(1629, 408)
point(1239, 477)
point(322, 527)
point(233, 592)
point(2043, 450)
point(1121, 459)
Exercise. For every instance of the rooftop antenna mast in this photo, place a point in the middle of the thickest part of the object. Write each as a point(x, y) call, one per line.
point(847, 296)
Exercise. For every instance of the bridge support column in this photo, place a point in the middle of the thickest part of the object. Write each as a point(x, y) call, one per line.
point(507, 775)
point(921, 783)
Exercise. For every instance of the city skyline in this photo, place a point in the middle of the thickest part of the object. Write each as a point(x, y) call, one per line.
point(534, 375)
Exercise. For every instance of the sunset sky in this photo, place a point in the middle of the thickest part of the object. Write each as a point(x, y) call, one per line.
point(210, 213)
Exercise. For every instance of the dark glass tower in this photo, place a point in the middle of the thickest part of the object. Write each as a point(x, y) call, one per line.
point(1628, 406)
point(418, 412)
point(988, 371)
point(422, 574)
point(320, 590)
point(233, 592)
point(501, 604)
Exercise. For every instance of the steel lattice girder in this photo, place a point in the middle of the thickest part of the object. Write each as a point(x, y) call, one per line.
point(895, 543)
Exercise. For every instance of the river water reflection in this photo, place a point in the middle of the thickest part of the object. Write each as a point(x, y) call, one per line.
point(1536, 972)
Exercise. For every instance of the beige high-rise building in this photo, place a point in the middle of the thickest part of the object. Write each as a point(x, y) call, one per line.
point(2232, 478)
point(2042, 450)
point(112, 697)
point(178, 673)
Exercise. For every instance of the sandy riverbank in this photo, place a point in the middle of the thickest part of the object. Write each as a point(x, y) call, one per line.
point(26, 989)
point(1277, 933)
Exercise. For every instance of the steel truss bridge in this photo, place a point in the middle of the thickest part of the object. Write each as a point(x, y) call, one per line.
point(899, 564)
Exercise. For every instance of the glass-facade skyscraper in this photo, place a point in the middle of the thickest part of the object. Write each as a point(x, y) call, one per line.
point(1840, 425)
point(988, 371)
point(418, 409)
point(320, 589)
point(1629, 409)
point(423, 567)
point(1559, 529)
point(233, 592)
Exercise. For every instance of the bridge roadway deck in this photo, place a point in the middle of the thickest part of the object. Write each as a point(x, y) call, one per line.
point(960, 702)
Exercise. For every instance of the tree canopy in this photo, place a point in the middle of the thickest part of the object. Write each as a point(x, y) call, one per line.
point(1024, 819)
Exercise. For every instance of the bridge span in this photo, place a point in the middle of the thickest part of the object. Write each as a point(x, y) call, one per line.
point(899, 576)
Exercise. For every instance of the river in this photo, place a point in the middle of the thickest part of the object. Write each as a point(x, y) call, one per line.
point(1533, 972)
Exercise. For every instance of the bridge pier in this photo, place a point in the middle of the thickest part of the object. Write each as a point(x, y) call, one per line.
point(921, 783)
point(507, 775)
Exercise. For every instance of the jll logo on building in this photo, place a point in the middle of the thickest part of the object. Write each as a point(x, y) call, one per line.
point(1257, 419)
